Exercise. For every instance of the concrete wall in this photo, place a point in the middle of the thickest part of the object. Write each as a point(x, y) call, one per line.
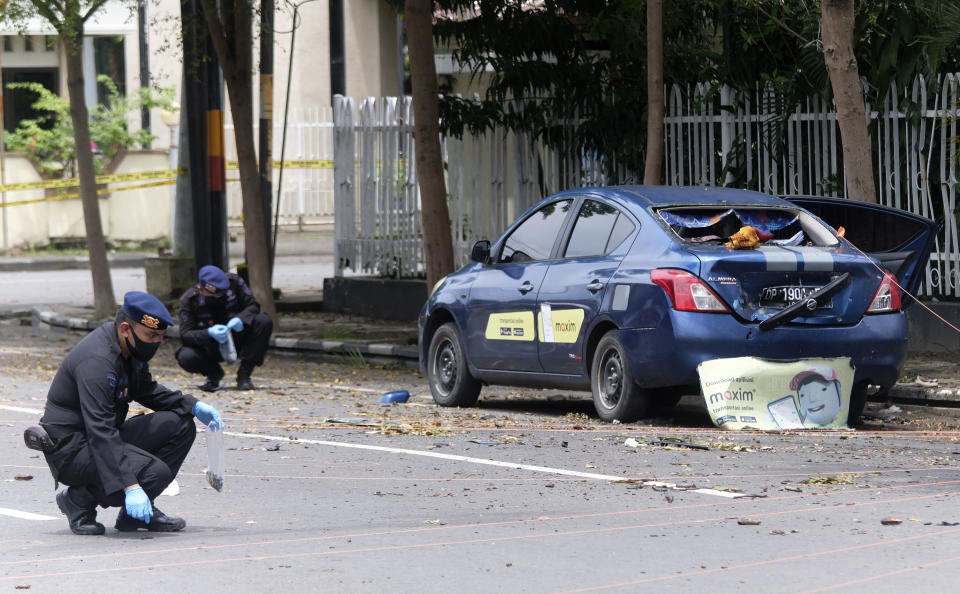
point(142, 213)
point(126, 215)
point(23, 224)
point(929, 333)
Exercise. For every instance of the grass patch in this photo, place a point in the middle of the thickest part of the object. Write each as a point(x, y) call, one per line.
point(353, 358)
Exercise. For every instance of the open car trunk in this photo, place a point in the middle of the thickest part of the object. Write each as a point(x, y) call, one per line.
point(785, 256)
point(899, 240)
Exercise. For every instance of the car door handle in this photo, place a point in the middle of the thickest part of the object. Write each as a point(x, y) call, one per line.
point(526, 287)
point(594, 286)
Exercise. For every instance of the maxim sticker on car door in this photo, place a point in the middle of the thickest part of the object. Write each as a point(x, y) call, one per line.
point(559, 325)
point(511, 325)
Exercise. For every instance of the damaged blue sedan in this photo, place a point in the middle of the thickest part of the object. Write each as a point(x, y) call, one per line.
point(624, 291)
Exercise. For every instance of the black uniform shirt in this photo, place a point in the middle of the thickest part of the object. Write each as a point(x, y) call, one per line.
point(91, 394)
point(197, 313)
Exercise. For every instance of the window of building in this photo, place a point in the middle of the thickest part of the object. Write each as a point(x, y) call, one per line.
point(108, 59)
point(18, 103)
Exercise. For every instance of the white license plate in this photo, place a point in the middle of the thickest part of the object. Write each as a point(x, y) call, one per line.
point(785, 296)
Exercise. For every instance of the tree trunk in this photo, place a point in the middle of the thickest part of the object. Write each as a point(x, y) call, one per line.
point(240, 90)
point(230, 26)
point(434, 216)
point(655, 107)
point(103, 300)
point(836, 25)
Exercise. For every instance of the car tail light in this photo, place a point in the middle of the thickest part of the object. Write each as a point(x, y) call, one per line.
point(887, 298)
point(686, 291)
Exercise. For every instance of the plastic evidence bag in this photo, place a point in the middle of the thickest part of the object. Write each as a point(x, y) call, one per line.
point(228, 349)
point(215, 454)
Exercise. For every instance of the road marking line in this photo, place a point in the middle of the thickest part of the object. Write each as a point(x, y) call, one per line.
point(454, 457)
point(32, 411)
point(486, 461)
point(6, 511)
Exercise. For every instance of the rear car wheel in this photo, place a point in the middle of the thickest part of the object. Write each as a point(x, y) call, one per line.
point(616, 395)
point(450, 380)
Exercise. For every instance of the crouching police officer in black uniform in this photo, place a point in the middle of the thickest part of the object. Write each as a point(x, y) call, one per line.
point(221, 303)
point(92, 447)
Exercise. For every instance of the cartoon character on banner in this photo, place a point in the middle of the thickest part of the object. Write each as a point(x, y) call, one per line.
point(819, 395)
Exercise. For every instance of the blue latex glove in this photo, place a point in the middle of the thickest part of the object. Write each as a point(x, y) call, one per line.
point(138, 504)
point(207, 414)
point(218, 333)
point(235, 324)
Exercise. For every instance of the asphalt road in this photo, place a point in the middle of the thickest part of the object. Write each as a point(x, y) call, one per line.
point(549, 500)
point(74, 288)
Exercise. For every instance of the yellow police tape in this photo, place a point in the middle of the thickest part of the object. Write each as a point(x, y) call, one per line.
point(101, 179)
point(315, 164)
point(162, 174)
point(168, 182)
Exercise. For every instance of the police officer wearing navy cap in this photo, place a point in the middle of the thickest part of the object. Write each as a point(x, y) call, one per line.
point(221, 303)
point(89, 443)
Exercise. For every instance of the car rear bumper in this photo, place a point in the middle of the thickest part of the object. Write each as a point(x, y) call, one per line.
point(668, 355)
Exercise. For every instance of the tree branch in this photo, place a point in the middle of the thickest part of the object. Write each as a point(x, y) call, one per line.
point(216, 29)
point(93, 8)
point(44, 10)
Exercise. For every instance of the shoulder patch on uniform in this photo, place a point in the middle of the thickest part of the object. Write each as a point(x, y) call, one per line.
point(112, 380)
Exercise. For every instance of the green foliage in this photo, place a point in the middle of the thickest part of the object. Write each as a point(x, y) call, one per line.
point(48, 139)
point(573, 72)
point(567, 61)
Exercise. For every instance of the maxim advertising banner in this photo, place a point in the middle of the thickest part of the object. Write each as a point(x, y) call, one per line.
point(753, 393)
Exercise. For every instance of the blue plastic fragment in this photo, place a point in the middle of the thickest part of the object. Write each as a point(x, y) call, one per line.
point(398, 396)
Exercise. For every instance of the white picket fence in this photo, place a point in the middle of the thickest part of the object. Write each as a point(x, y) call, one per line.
point(710, 138)
point(307, 196)
point(491, 178)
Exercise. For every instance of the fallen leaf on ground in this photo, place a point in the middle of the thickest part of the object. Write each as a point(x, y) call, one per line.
point(23, 477)
point(748, 522)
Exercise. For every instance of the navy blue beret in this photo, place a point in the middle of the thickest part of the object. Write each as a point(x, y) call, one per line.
point(213, 279)
point(147, 310)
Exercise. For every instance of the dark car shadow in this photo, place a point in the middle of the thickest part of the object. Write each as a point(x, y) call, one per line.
point(689, 412)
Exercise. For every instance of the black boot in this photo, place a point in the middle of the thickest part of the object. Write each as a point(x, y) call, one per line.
point(243, 377)
point(81, 510)
point(36, 438)
point(213, 381)
point(159, 522)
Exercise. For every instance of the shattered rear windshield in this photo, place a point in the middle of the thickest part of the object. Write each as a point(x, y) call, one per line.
point(727, 226)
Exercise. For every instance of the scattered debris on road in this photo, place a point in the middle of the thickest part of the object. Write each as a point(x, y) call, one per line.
point(838, 479)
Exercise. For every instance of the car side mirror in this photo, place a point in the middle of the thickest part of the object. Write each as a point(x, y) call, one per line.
point(480, 251)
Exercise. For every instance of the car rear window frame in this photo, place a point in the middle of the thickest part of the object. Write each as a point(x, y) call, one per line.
point(814, 230)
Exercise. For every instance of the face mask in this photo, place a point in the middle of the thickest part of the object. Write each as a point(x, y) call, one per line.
point(141, 350)
point(215, 301)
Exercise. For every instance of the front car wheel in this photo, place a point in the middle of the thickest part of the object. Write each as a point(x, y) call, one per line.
point(450, 381)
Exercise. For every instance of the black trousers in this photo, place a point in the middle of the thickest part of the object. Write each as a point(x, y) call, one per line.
point(156, 444)
point(251, 346)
